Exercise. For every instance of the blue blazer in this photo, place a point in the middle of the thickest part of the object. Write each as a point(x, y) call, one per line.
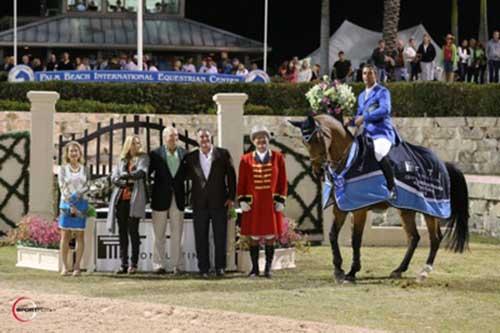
point(377, 112)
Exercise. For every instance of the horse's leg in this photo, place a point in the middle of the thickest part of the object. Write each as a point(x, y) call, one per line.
point(358, 225)
point(338, 222)
point(413, 237)
point(435, 237)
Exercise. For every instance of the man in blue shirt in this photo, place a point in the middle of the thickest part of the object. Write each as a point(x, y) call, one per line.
point(374, 113)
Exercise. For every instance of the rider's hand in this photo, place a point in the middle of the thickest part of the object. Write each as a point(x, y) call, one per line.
point(359, 121)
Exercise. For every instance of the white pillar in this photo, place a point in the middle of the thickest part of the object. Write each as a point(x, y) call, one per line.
point(43, 107)
point(140, 23)
point(264, 67)
point(230, 136)
point(14, 40)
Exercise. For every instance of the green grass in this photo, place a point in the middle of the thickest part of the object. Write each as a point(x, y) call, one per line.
point(462, 294)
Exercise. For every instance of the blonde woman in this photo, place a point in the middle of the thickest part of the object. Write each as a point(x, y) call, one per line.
point(128, 200)
point(73, 178)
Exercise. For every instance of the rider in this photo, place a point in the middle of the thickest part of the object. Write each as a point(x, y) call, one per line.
point(374, 112)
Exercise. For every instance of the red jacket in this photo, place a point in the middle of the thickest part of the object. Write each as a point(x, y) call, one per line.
point(261, 185)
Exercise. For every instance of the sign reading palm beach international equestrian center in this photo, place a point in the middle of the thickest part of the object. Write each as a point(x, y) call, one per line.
point(24, 73)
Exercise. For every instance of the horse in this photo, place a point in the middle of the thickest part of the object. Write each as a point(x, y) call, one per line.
point(328, 142)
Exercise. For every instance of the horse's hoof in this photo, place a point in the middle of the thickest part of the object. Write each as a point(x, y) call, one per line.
point(396, 275)
point(424, 273)
point(350, 279)
point(339, 278)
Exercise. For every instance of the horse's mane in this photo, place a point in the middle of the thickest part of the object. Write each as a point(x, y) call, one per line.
point(334, 125)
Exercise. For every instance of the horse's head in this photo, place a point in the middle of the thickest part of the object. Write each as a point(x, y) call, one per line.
point(313, 137)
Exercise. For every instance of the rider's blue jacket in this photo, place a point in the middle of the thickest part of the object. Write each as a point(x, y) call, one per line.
point(376, 109)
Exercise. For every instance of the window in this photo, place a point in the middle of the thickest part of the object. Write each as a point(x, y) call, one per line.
point(162, 6)
point(122, 6)
point(84, 5)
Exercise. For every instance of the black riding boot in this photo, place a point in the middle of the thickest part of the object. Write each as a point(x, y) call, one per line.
point(254, 255)
point(388, 172)
point(269, 260)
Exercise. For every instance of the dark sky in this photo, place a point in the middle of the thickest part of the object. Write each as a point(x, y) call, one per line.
point(294, 25)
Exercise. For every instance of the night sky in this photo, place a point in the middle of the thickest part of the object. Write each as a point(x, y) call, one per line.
point(294, 26)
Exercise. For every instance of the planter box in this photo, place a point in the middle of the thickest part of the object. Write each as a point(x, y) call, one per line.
point(39, 258)
point(283, 258)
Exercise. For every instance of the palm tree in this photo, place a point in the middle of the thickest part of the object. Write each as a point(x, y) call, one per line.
point(454, 19)
point(324, 52)
point(391, 22)
point(483, 22)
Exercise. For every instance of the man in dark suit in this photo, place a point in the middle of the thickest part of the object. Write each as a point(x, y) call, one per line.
point(168, 195)
point(213, 192)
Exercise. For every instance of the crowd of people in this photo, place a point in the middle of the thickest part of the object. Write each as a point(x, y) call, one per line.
point(260, 190)
point(209, 64)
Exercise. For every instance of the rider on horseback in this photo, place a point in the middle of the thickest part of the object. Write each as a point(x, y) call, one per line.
point(374, 112)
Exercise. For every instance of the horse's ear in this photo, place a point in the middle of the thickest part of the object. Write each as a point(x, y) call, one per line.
point(310, 122)
point(296, 123)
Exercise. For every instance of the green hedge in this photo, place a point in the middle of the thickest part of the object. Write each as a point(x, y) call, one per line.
point(408, 99)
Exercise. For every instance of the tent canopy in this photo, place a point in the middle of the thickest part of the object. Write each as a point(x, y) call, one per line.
point(358, 43)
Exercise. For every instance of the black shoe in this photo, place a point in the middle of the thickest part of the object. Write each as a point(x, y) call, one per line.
point(220, 272)
point(268, 274)
point(203, 275)
point(160, 271)
point(122, 270)
point(253, 273)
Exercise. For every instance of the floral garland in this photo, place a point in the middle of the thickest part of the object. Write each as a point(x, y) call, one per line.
point(333, 98)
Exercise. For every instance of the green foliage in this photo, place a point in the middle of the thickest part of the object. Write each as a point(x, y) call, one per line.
point(433, 99)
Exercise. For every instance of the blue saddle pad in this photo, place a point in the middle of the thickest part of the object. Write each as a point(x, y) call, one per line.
point(422, 180)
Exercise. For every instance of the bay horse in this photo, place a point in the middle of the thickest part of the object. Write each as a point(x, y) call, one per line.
point(328, 145)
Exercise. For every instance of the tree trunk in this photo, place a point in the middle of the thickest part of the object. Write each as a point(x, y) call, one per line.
point(454, 20)
point(483, 22)
point(324, 52)
point(391, 23)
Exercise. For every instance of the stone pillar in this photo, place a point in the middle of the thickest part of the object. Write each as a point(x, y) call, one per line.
point(230, 136)
point(43, 107)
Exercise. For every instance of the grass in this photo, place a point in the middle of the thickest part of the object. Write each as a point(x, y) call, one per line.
point(462, 294)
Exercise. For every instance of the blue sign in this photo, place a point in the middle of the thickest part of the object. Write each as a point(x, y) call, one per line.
point(21, 73)
point(24, 73)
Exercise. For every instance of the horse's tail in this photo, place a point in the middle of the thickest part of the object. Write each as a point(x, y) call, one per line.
point(457, 233)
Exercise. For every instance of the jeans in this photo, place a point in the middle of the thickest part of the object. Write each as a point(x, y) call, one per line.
point(128, 226)
point(493, 68)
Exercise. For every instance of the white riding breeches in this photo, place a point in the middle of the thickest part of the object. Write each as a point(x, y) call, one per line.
point(382, 146)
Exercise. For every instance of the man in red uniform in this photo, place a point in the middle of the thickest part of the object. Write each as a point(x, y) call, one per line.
point(262, 190)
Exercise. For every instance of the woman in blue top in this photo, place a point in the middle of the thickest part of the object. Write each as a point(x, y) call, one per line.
point(374, 112)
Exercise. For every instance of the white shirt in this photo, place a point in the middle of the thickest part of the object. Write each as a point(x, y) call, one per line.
point(153, 68)
point(262, 155)
point(206, 162)
point(189, 68)
point(212, 70)
point(242, 72)
point(410, 53)
point(368, 91)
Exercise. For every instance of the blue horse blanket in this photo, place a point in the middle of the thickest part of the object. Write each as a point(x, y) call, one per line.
point(422, 180)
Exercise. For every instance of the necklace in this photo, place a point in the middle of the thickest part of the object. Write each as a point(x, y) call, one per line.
point(73, 169)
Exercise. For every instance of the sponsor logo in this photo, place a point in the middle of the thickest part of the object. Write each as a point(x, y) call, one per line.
point(21, 73)
point(24, 309)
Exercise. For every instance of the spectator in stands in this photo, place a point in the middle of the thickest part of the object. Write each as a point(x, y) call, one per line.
point(189, 66)
point(379, 60)
point(130, 65)
point(236, 64)
point(283, 69)
point(315, 72)
point(464, 57)
point(426, 54)
point(400, 73)
point(65, 64)
point(296, 63)
point(450, 58)
point(342, 69)
point(204, 66)
point(254, 66)
point(212, 67)
point(8, 63)
point(37, 65)
point(85, 65)
point(411, 58)
point(177, 66)
point(305, 73)
point(52, 63)
point(242, 71)
point(128, 200)
point(291, 73)
point(25, 60)
point(223, 61)
point(78, 62)
point(493, 56)
point(152, 66)
point(480, 62)
point(114, 64)
point(227, 68)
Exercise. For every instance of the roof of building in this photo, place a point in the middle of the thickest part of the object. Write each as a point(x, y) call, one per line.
point(165, 33)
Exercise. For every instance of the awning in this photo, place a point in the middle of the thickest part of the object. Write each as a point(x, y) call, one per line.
point(120, 32)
